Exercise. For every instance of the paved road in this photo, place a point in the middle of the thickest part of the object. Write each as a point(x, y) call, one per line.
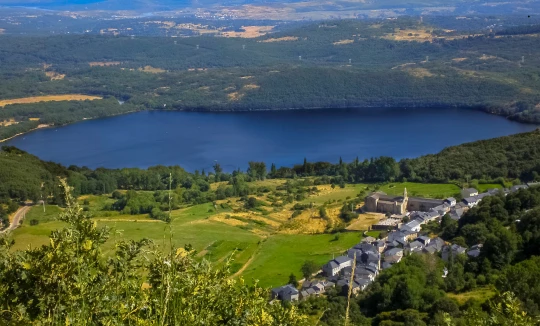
point(17, 218)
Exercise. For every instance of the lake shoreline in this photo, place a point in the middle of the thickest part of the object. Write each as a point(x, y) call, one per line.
point(196, 139)
point(321, 108)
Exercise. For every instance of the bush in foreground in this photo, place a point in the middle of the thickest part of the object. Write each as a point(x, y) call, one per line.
point(71, 282)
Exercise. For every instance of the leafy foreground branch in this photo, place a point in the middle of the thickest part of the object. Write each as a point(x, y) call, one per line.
point(71, 282)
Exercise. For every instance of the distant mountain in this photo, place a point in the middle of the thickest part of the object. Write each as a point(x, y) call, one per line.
point(312, 9)
point(164, 5)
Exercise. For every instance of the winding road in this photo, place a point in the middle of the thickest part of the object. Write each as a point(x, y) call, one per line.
point(19, 215)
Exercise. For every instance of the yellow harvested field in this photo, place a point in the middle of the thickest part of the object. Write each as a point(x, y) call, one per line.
point(152, 70)
point(280, 39)
point(53, 75)
point(249, 32)
point(229, 221)
point(410, 35)
point(235, 96)
point(343, 42)
point(104, 63)
point(364, 221)
point(33, 119)
point(9, 122)
point(487, 57)
point(251, 86)
point(419, 72)
point(49, 98)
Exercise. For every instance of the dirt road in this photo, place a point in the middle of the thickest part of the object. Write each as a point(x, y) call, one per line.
point(19, 215)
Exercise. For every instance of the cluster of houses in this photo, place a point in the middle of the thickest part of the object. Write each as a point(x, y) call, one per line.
point(361, 264)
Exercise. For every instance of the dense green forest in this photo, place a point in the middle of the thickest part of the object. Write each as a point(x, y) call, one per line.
point(336, 64)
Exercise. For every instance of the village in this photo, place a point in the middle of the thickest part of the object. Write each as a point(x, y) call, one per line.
point(359, 266)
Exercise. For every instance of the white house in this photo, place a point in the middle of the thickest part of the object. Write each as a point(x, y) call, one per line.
point(469, 192)
point(334, 266)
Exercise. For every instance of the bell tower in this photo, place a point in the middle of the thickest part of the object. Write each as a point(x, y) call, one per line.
point(405, 201)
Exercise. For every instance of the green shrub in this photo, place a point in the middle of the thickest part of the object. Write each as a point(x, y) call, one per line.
point(71, 282)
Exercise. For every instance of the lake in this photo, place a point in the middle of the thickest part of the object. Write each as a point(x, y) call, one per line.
point(195, 140)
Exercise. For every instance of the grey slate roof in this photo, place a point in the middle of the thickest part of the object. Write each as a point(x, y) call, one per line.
point(393, 251)
point(416, 244)
point(342, 259)
point(436, 243)
point(365, 247)
point(469, 191)
point(430, 250)
point(471, 200)
point(518, 187)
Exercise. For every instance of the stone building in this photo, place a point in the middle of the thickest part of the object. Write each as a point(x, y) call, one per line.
point(383, 203)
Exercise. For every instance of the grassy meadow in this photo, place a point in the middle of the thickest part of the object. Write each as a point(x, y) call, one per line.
point(265, 244)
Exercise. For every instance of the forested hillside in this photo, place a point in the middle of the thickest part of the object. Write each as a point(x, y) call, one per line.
point(337, 64)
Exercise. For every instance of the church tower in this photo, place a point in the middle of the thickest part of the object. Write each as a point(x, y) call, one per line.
point(405, 201)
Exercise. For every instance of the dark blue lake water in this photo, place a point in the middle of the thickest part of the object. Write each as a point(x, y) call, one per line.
point(195, 140)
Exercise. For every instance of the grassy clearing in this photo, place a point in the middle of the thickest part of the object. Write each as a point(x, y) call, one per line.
point(429, 190)
point(480, 294)
point(485, 186)
point(337, 194)
point(374, 234)
point(281, 255)
point(34, 236)
point(249, 32)
point(152, 70)
point(37, 213)
point(49, 98)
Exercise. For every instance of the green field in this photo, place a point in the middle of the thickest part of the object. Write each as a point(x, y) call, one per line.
point(258, 252)
point(281, 255)
point(272, 262)
point(480, 294)
point(37, 213)
point(336, 194)
point(429, 190)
